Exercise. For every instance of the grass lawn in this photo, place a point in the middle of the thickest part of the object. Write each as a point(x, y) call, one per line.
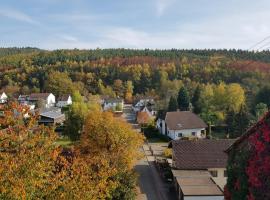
point(64, 142)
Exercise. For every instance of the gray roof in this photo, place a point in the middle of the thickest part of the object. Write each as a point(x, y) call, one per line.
point(181, 120)
point(52, 115)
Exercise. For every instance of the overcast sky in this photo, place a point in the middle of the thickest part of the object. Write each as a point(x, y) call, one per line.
point(83, 24)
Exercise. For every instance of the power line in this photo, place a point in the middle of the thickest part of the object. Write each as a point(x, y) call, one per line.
point(266, 44)
point(266, 38)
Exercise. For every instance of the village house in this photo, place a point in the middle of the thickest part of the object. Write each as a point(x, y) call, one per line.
point(200, 156)
point(3, 97)
point(48, 99)
point(23, 99)
point(181, 124)
point(114, 104)
point(64, 100)
point(145, 105)
point(52, 116)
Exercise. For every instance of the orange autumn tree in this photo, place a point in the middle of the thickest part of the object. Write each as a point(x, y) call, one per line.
point(33, 167)
point(143, 118)
point(115, 141)
point(27, 155)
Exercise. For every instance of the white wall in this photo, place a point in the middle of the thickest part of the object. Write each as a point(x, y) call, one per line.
point(3, 97)
point(174, 134)
point(108, 106)
point(220, 180)
point(64, 103)
point(160, 125)
point(50, 100)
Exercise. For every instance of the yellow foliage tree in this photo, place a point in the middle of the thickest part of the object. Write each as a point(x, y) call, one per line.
point(113, 138)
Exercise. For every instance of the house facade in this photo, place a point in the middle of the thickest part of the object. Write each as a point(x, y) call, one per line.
point(145, 105)
point(3, 97)
point(48, 99)
point(181, 124)
point(63, 101)
point(114, 104)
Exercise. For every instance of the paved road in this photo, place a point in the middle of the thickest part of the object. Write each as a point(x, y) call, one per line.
point(150, 183)
point(147, 183)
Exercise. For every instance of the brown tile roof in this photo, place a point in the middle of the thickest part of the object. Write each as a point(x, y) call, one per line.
point(37, 96)
point(200, 154)
point(64, 97)
point(180, 120)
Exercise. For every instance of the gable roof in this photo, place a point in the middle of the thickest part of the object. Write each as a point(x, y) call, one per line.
point(53, 114)
point(37, 96)
point(200, 154)
point(180, 120)
point(64, 97)
point(3, 94)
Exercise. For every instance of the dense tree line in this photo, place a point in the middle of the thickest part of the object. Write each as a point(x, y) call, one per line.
point(210, 79)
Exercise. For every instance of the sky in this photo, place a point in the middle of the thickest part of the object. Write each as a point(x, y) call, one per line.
point(137, 24)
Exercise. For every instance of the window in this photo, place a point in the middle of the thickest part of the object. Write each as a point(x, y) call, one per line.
point(193, 133)
point(225, 173)
point(213, 173)
point(180, 134)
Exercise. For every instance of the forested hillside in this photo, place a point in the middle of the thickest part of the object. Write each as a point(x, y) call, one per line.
point(224, 79)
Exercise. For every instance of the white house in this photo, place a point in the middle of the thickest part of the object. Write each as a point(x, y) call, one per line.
point(181, 124)
point(63, 101)
point(115, 104)
point(24, 100)
point(3, 97)
point(141, 103)
point(47, 98)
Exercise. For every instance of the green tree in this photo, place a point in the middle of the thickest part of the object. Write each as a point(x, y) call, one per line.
point(195, 100)
point(59, 83)
point(263, 96)
point(183, 99)
point(75, 117)
point(238, 122)
point(260, 110)
point(172, 104)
